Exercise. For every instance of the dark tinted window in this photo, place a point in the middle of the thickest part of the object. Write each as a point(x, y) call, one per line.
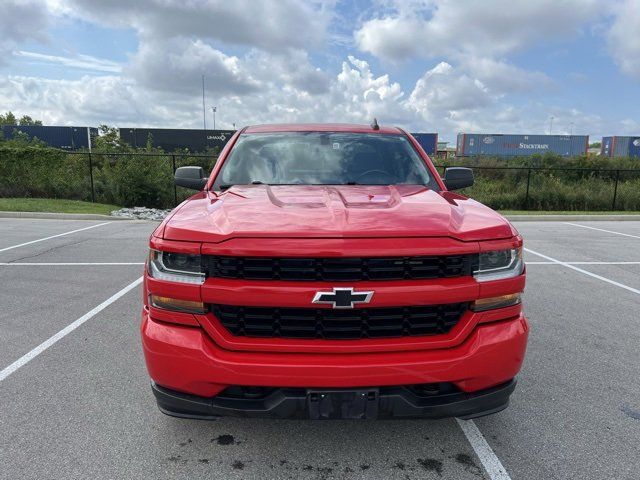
point(323, 158)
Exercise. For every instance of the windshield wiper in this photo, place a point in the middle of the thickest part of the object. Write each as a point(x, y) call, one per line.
point(228, 186)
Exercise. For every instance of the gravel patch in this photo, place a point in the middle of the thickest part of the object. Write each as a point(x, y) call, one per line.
point(141, 213)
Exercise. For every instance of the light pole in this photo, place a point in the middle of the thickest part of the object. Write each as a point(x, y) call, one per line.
point(214, 110)
point(571, 129)
point(550, 124)
point(204, 111)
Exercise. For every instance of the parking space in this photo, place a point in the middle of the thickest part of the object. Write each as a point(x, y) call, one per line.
point(38, 301)
point(571, 243)
point(19, 231)
point(82, 407)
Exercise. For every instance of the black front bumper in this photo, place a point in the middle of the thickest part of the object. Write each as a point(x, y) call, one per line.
point(369, 403)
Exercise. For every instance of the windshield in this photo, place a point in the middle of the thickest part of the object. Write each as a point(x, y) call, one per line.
point(323, 158)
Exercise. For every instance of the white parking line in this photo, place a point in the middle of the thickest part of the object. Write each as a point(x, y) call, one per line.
point(52, 236)
point(584, 263)
point(68, 264)
point(74, 264)
point(603, 230)
point(26, 358)
point(578, 269)
point(489, 460)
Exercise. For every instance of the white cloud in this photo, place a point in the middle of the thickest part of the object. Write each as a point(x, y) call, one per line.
point(442, 90)
point(623, 37)
point(489, 28)
point(394, 38)
point(20, 21)
point(179, 41)
point(258, 59)
point(445, 99)
point(292, 68)
point(270, 25)
point(503, 78)
point(82, 62)
point(360, 95)
point(82, 101)
point(177, 65)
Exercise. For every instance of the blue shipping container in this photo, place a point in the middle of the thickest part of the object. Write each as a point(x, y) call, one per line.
point(470, 144)
point(617, 146)
point(428, 142)
point(172, 139)
point(634, 147)
point(66, 138)
point(605, 146)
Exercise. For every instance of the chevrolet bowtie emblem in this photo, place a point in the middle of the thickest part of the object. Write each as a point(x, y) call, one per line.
point(342, 297)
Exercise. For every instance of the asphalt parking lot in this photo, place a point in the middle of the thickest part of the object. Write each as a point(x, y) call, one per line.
point(79, 405)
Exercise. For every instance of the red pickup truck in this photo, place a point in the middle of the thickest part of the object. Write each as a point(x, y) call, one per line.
point(328, 271)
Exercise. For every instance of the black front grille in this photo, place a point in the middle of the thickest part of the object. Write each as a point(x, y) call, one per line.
point(339, 269)
point(329, 324)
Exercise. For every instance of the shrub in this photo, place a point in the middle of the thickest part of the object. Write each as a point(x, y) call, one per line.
point(118, 177)
point(555, 183)
point(28, 169)
point(42, 172)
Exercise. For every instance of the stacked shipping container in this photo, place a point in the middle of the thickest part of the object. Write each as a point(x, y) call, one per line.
point(171, 139)
point(470, 144)
point(66, 138)
point(620, 146)
point(77, 138)
point(428, 142)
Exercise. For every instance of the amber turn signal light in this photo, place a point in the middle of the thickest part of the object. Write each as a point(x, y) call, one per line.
point(490, 303)
point(177, 305)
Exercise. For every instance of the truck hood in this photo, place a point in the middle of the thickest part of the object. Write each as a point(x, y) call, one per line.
point(333, 212)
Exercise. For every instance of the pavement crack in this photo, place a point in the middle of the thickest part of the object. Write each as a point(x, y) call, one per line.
point(49, 250)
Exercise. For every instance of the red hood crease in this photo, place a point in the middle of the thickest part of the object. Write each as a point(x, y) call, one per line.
point(345, 211)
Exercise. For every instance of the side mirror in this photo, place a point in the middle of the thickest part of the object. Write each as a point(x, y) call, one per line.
point(190, 177)
point(456, 178)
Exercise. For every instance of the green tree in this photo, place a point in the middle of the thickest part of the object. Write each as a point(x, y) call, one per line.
point(27, 120)
point(109, 140)
point(8, 119)
point(149, 142)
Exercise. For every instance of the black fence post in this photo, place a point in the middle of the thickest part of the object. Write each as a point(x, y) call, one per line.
point(615, 190)
point(526, 195)
point(175, 190)
point(93, 192)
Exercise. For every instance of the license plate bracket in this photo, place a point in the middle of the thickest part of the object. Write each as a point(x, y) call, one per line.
point(343, 404)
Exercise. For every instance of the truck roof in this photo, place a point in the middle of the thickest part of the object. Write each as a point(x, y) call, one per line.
point(320, 127)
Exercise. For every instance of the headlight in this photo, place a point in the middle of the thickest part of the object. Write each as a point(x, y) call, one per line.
point(175, 267)
point(499, 264)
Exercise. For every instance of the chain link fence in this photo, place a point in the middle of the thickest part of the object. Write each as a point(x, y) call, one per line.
point(578, 189)
point(146, 179)
point(140, 179)
point(127, 179)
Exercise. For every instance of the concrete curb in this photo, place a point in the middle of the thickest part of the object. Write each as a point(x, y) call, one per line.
point(61, 216)
point(571, 217)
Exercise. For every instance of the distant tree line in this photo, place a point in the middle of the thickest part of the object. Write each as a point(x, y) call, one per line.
point(10, 119)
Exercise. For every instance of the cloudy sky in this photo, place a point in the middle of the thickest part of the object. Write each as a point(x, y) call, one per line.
point(429, 65)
